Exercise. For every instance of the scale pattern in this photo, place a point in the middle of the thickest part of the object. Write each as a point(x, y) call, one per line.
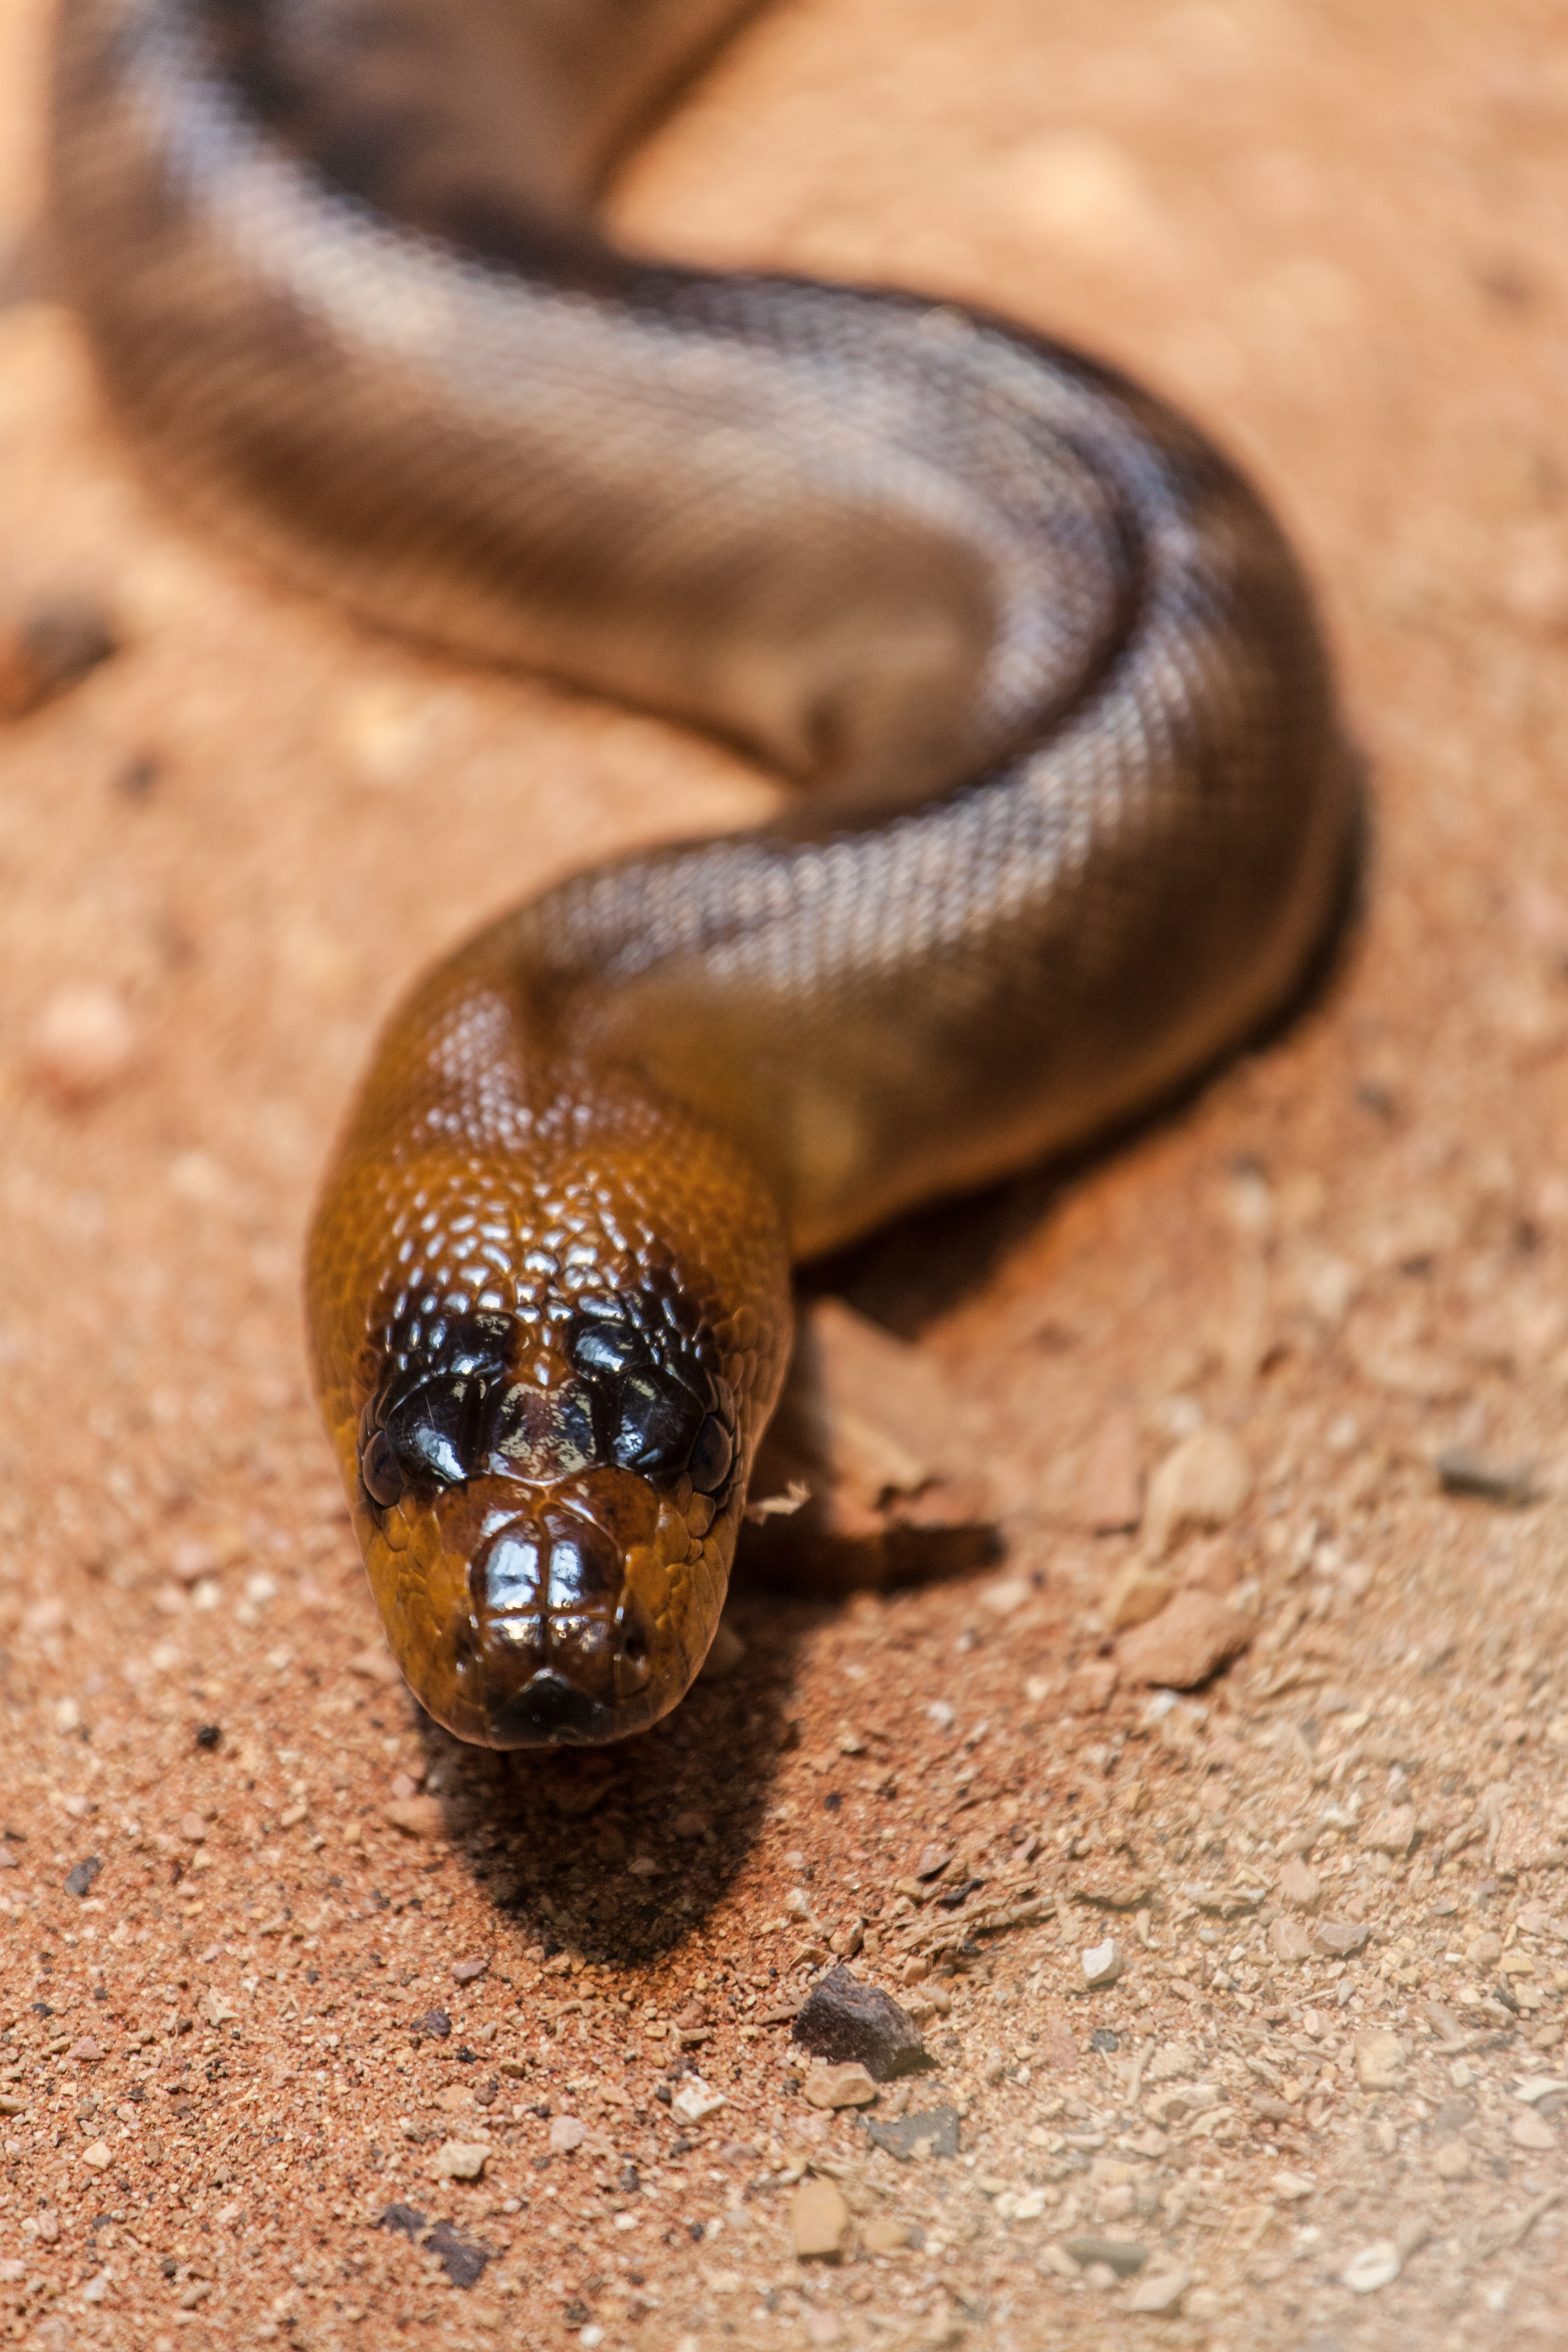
point(1077, 814)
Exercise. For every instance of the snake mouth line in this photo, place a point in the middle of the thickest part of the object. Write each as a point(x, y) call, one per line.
point(548, 1710)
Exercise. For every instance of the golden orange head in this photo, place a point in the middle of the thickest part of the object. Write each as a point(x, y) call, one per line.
point(549, 1314)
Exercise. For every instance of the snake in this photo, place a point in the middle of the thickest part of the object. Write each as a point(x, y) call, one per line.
point(1066, 805)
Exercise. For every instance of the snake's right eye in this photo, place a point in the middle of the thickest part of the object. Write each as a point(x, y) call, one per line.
point(380, 1471)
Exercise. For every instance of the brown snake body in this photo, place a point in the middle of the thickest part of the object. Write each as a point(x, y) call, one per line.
point(1079, 809)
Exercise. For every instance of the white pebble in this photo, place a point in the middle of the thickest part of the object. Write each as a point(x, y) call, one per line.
point(1102, 1963)
point(1377, 2265)
point(83, 1040)
point(695, 2099)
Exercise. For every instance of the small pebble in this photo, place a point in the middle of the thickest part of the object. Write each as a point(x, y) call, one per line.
point(461, 2160)
point(1190, 1639)
point(933, 2132)
point(1513, 1485)
point(818, 2220)
point(1380, 2061)
point(1391, 1830)
point(83, 1040)
point(1451, 2160)
point(566, 2133)
point(839, 2086)
point(1159, 2290)
point(1375, 2266)
point(1120, 2256)
point(81, 1875)
point(842, 2019)
point(1340, 1939)
point(1547, 2090)
point(1136, 1593)
point(1289, 1940)
point(416, 1817)
point(49, 650)
point(1102, 1963)
point(1203, 1483)
point(1532, 2131)
point(1300, 1885)
point(469, 1971)
point(1292, 2186)
point(96, 2154)
point(696, 2099)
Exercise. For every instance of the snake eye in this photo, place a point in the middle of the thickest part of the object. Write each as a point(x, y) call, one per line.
point(380, 1471)
point(711, 1456)
point(656, 1426)
point(648, 1392)
point(434, 1434)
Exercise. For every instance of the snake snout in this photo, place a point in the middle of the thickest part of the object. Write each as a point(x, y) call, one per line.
point(559, 1640)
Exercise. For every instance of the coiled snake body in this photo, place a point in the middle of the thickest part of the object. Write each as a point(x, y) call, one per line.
point(1077, 809)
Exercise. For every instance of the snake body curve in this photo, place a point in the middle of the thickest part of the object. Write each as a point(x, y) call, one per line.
point(1078, 810)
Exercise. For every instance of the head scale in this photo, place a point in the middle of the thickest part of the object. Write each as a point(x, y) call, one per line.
point(548, 1510)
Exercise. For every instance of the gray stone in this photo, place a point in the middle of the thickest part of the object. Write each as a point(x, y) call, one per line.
point(843, 2019)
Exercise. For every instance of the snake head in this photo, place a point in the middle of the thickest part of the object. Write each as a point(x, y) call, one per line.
point(548, 1524)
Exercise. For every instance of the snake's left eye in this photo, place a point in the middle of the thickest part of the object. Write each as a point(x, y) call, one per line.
point(656, 1425)
point(381, 1471)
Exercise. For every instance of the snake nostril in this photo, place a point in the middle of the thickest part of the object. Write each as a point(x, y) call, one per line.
point(633, 1641)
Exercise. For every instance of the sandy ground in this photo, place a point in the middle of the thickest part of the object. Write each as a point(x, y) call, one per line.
point(269, 1953)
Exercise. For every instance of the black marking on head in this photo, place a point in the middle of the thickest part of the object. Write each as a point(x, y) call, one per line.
point(430, 1423)
point(652, 1388)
